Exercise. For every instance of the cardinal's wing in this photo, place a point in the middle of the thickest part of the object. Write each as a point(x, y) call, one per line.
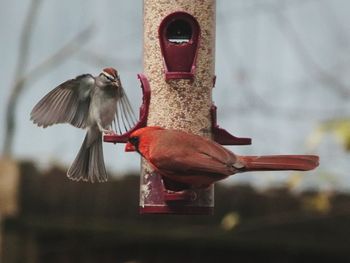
point(193, 154)
point(67, 103)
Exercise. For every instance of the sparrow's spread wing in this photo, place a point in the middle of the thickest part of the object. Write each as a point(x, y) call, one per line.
point(67, 103)
point(124, 116)
point(191, 154)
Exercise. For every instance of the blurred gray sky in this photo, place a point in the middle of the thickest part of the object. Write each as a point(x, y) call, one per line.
point(280, 66)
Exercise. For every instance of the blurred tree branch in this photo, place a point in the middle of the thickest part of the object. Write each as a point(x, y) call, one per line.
point(22, 77)
point(73, 46)
point(276, 10)
point(22, 62)
point(306, 57)
point(245, 73)
point(93, 58)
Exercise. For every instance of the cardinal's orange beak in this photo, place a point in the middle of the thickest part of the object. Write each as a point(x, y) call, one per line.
point(129, 147)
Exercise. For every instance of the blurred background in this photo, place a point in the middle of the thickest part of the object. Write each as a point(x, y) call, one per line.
point(282, 79)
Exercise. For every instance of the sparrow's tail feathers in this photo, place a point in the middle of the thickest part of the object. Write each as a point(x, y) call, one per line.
point(89, 165)
point(279, 162)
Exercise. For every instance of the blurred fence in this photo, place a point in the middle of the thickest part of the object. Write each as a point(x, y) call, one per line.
point(56, 220)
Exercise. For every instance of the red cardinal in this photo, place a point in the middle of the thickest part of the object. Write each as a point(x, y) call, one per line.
point(198, 162)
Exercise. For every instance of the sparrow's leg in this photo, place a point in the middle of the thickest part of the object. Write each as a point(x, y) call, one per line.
point(105, 131)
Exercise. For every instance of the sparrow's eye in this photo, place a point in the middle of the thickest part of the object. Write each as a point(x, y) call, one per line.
point(108, 77)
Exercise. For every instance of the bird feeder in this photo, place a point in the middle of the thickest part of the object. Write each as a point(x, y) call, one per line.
point(178, 79)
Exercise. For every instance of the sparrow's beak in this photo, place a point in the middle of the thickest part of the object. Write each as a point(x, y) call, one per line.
point(129, 147)
point(117, 82)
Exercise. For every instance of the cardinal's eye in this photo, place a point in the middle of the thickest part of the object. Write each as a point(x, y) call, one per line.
point(134, 141)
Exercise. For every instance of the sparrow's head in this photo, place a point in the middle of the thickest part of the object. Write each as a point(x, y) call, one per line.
point(109, 76)
point(140, 139)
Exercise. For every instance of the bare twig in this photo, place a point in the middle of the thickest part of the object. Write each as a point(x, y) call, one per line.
point(276, 9)
point(253, 100)
point(73, 46)
point(24, 78)
point(306, 58)
point(94, 58)
point(22, 62)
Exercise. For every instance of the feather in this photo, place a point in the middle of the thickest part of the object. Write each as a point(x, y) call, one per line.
point(125, 118)
point(89, 166)
point(199, 162)
point(279, 162)
point(67, 103)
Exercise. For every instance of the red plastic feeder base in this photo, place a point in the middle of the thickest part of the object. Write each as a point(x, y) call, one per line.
point(177, 209)
point(156, 198)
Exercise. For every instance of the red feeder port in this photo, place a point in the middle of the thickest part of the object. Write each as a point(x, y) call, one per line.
point(179, 35)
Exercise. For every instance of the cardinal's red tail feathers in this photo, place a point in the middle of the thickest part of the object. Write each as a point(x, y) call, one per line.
point(279, 162)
